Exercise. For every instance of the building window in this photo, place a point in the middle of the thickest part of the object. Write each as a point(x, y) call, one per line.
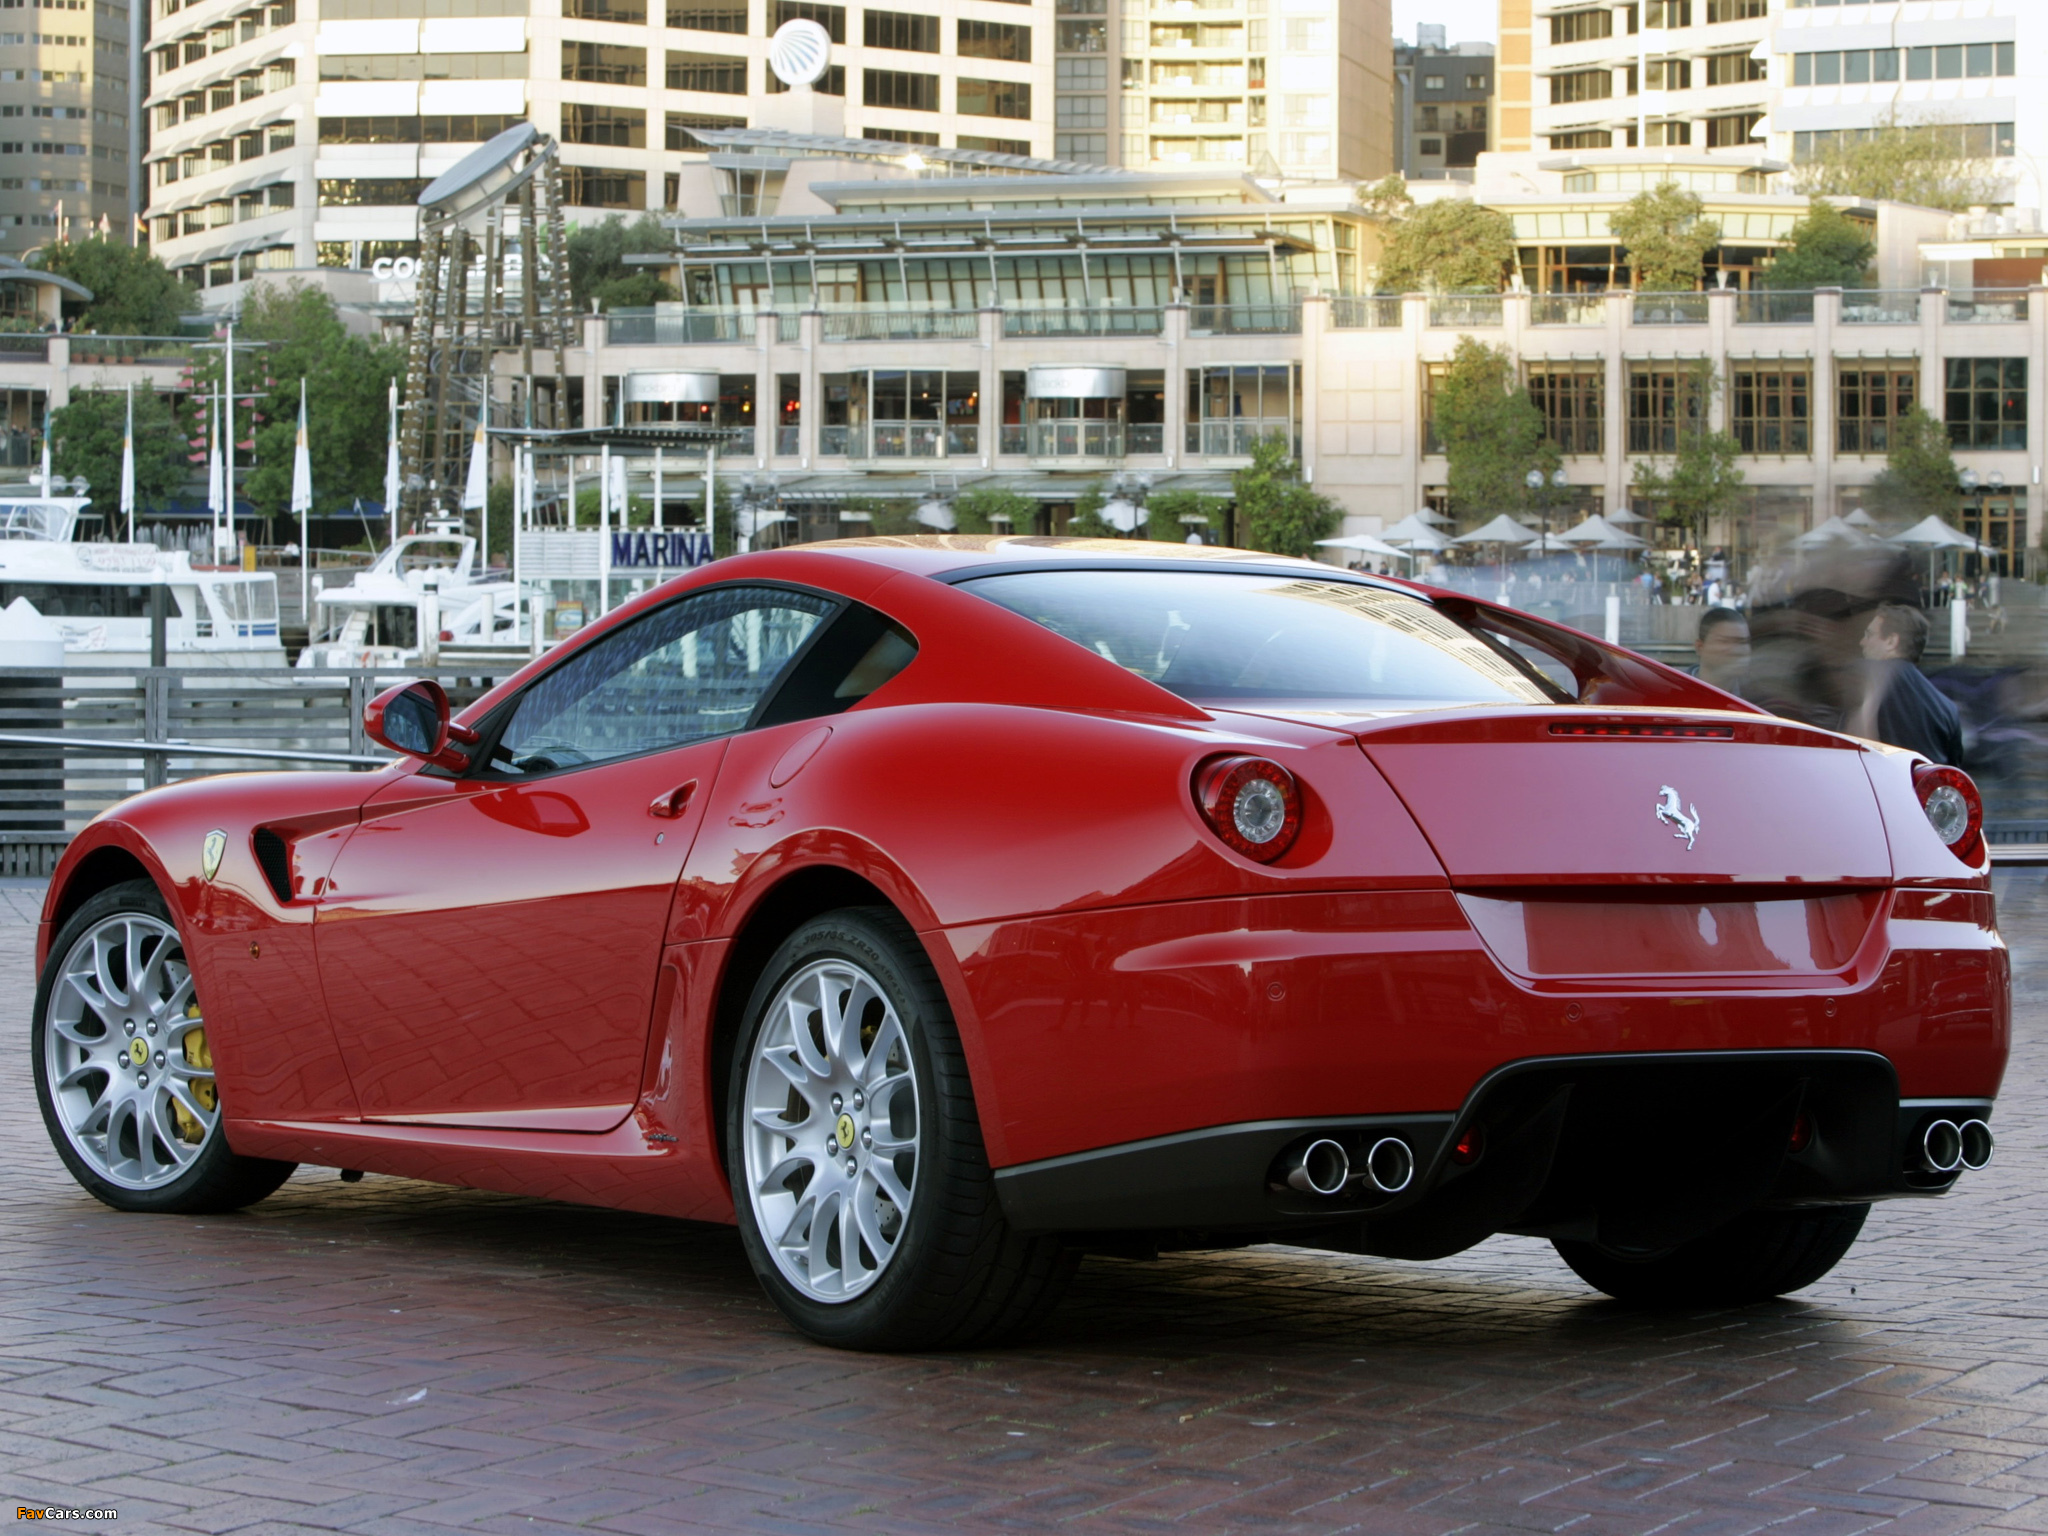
point(1664, 400)
point(1004, 146)
point(902, 136)
point(586, 186)
point(1432, 82)
point(1735, 68)
point(1082, 37)
point(1719, 11)
point(1867, 402)
point(1475, 82)
point(1582, 85)
point(676, 132)
point(1081, 74)
point(1429, 147)
point(1732, 132)
point(831, 83)
point(1086, 148)
point(995, 40)
point(1582, 138)
point(630, 13)
point(360, 192)
point(1572, 401)
point(1770, 410)
point(1987, 402)
point(1005, 98)
point(1080, 111)
point(719, 73)
point(601, 64)
point(710, 16)
point(1972, 141)
point(1668, 13)
point(1953, 61)
point(1671, 74)
point(615, 127)
point(1671, 133)
point(831, 17)
point(900, 30)
point(899, 88)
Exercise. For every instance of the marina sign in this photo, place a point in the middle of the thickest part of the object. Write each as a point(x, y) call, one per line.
point(660, 551)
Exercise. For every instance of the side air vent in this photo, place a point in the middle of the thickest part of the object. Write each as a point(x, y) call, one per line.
point(275, 855)
point(1630, 728)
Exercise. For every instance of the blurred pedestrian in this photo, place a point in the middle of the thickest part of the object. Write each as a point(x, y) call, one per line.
point(1722, 646)
point(1899, 705)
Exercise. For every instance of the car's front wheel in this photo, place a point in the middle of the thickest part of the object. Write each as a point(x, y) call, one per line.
point(124, 1068)
point(863, 1191)
point(1753, 1258)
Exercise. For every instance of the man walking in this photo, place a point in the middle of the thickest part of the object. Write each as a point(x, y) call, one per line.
point(1899, 705)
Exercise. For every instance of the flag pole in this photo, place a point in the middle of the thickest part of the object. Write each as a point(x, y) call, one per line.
point(302, 503)
point(128, 465)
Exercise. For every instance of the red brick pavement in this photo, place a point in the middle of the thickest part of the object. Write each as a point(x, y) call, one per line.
point(396, 1357)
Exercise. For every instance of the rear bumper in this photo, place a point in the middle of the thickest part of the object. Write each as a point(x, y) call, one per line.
point(1637, 1151)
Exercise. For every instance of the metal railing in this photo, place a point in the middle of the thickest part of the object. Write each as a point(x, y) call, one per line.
point(900, 440)
point(73, 743)
point(1233, 439)
point(1988, 306)
point(1366, 312)
point(1567, 309)
point(1245, 319)
point(1146, 436)
point(866, 324)
point(1767, 306)
point(1466, 311)
point(1669, 309)
point(1077, 439)
point(1104, 320)
point(1880, 306)
point(666, 328)
point(25, 344)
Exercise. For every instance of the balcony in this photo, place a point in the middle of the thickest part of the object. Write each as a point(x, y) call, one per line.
point(666, 327)
point(1077, 439)
point(22, 346)
point(1766, 306)
point(1109, 320)
point(1669, 309)
point(1235, 439)
point(87, 348)
point(1365, 312)
point(1567, 309)
point(1146, 436)
point(875, 324)
point(1245, 320)
point(1877, 306)
point(1465, 311)
point(1988, 306)
point(897, 440)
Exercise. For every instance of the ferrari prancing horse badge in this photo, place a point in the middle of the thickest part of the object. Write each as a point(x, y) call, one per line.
point(215, 845)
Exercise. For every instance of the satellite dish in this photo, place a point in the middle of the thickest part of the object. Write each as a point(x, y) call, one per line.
point(799, 52)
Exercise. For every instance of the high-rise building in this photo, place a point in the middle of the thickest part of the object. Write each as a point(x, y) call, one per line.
point(67, 68)
point(1653, 74)
point(1979, 71)
point(1443, 106)
point(286, 133)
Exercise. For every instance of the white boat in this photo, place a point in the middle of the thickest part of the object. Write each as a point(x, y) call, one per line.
point(425, 586)
point(98, 595)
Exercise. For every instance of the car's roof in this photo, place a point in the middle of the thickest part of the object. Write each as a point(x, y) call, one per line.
point(941, 554)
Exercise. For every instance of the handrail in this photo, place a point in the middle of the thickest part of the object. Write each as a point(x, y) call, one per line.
point(187, 749)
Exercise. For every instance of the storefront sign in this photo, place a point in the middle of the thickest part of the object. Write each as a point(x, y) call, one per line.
point(660, 551)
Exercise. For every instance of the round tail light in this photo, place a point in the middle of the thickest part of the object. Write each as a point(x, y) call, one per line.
point(1954, 809)
point(1252, 804)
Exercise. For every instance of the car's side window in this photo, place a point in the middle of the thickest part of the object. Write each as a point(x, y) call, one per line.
point(695, 669)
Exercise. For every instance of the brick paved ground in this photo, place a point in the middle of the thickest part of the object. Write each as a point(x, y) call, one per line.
point(395, 1357)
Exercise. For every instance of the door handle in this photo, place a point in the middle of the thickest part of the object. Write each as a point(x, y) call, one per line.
point(674, 802)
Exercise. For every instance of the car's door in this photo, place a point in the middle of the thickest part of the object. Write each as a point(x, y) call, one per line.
point(491, 939)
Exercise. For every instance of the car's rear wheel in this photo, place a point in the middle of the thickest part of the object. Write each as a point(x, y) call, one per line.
point(863, 1191)
point(1755, 1257)
point(124, 1069)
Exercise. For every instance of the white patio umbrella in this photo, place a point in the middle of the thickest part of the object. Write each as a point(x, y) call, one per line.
point(1860, 519)
point(1601, 534)
point(1431, 516)
point(1833, 531)
point(1364, 544)
point(1935, 534)
point(1622, 517)
point(1502, 530)
point(1413, 533)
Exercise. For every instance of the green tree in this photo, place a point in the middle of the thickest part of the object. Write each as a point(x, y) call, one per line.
point(1449, 246)
point(1698, 481)
point(1828, 250)
point(1276, 511)
point(347, 408)
point(598, 269)
point(1903, 162)
point(133, 294)
point(1667, 235)
point(1919, 474)
point(85, 439)
point(1492, 432)
point(888, 516)
point(979, 508)
point(1386, 198)
point(1165, 509)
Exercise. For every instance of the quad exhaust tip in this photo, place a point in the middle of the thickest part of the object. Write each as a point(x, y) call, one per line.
point(1946, 1146)
point(1323, 1167)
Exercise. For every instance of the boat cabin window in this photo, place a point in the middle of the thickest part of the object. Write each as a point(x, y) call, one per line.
point(79, 600)
point(430, 555)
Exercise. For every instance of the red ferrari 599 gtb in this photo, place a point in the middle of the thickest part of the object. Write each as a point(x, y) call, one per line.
point(940, 909)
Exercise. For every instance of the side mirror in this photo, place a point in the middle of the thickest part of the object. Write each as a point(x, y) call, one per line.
point(412, 719)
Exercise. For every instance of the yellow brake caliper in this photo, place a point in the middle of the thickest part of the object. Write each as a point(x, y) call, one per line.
point(200, 1057)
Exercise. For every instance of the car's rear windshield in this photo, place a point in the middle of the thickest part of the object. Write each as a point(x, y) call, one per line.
point(1238, 638)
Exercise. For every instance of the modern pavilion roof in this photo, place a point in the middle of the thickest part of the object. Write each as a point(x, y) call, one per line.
point(779, 142)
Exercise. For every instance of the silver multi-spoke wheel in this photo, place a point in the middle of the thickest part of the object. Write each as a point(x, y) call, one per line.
point(831, 1133)
point(129, 1070)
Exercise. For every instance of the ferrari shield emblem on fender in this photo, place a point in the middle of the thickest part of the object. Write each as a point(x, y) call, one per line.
point(1686, 821)
point(210, 851)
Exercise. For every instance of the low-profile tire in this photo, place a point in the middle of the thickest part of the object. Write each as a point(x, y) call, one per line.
point(862, 1188)
point(1753, 1258)
point(123, 1068)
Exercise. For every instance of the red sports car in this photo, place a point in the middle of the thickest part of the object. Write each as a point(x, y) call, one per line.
point(941, 909)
